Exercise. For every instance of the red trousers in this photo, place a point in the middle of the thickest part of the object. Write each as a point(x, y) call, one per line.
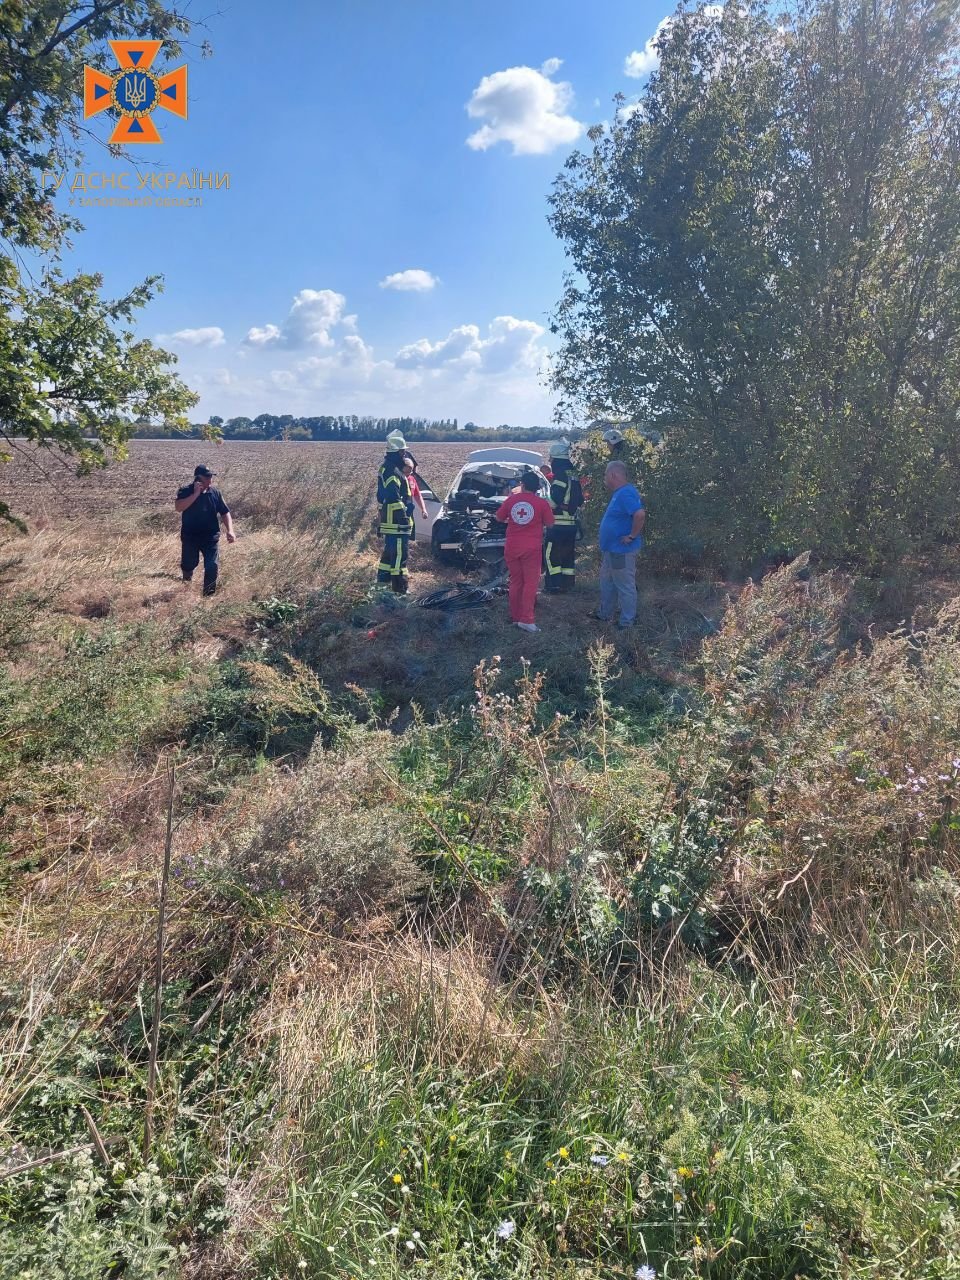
point(524, 569)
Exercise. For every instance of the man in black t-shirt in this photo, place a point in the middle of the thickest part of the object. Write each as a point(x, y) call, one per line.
point(202, 507)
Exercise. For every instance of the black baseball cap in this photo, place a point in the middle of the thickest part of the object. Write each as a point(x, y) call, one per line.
point(202, 471)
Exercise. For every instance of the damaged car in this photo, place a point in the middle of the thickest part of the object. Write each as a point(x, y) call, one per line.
point(464, 530)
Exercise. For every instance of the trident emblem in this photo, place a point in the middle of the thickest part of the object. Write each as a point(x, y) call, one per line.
point(136, 92)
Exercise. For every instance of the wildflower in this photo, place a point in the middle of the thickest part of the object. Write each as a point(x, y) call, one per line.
point(410, 1245)
point(397, 1179)
point(549, 1164)
point(645, 1273)
point(452, 1137)
point(368, 1066)
point(622, 1155)
point(506, 1229)
point(415, 1235)
point(394, 1231)
point(564, 1153)
point(602, 1161)
point(330, 1248)
point(404, 1189)
point(302, 1264)
point(684, 1172)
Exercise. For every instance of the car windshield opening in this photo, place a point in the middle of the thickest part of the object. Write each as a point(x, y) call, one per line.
point(491, 482)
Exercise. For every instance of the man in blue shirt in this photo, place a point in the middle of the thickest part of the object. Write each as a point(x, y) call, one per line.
point(621, 539)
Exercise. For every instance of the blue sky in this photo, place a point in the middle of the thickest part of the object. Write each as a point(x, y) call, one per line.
point(364, 140)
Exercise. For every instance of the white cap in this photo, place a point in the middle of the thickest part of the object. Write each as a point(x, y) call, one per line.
point(560, 449)
point(396, 442)
point(612, 435)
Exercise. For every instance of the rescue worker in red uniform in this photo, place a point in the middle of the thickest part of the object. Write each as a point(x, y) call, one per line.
point(566, 498)
point(526, 515)
point(396, 515)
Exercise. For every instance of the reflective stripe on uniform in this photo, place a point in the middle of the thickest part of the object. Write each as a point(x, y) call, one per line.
point(552, 568)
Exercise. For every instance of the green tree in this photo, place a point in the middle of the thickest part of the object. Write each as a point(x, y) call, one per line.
point(70, 363)
point(765, 265)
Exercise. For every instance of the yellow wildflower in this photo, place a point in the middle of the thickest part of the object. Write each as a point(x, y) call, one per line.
point(564, 1153)
point(684, 1172)
point(622, 1155)
point(397, 1179)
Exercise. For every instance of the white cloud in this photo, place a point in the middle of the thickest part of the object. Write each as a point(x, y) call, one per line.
point(628, 111)
point(488, 374)
point(643, 61)
point(413, 280)
point(311, 317)
point(525, 108)
point(212, 336)
point(551, 66)
point(511, 344)
point(263, 337)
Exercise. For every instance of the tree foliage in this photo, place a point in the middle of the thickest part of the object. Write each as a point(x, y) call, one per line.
point(766, 261)
point(69, 359)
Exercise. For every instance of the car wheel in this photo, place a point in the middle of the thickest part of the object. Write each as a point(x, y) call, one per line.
point(440, 533)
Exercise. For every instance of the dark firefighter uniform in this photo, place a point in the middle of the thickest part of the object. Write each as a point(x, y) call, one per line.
point(566, 498)
point(396, 521)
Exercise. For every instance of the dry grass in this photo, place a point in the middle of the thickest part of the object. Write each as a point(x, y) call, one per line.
point(397, 937)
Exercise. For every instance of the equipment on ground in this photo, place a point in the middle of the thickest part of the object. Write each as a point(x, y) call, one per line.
point(454, 599)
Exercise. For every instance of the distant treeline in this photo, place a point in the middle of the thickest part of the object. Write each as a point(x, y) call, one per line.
point(271, 426)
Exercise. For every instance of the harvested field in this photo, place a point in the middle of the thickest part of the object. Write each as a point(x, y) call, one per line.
point(40, 485)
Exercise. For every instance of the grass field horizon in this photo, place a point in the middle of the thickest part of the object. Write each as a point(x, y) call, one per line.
point(487, 955)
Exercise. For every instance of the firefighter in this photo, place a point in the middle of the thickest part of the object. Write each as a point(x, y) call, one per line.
point(396, 515)
point(566, 498)
point(613, 439)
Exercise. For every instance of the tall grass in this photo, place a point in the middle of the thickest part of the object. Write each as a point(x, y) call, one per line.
point(581, 974)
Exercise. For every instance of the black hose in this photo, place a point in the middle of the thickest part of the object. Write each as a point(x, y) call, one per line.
point(454, 599)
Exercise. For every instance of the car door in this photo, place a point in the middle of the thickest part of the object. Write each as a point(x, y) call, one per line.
point(430, 500)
